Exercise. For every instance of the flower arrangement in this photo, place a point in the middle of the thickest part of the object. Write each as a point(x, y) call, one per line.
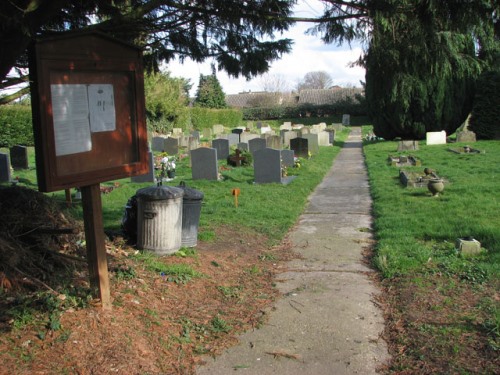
point(166, 167)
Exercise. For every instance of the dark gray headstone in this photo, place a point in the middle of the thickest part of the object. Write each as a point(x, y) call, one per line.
point(287, 158)
point(256, 144)
point(4, 167)
point(267, 166)
point(222, 147)
point(196, 134)
point(331, 133)
point(19, 157)
point(172, 146)
point(313, 143)
point(158, 144)
point(204, 164)
point(243, 146)
point(300, 147)
point(150, 175)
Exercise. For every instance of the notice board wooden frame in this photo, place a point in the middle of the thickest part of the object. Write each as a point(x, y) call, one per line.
point(72, 63)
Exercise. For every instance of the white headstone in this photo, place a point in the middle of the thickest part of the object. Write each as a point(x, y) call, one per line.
point(436, 138)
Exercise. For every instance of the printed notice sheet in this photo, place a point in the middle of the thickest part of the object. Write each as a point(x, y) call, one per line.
point(78, 111)
point(70, 110)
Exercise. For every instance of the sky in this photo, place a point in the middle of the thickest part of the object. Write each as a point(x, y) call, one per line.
point(309, 54)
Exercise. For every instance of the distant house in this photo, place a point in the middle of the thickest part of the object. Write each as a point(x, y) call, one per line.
point(308, 96)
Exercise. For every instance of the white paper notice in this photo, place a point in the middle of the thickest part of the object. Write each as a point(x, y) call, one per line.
point(71, 119)
point(102, 108)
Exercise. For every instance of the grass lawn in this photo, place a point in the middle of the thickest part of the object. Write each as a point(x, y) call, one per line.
point(444, 313)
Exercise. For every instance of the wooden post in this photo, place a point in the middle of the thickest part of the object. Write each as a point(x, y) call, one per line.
point(94, 237)
point(68, 197)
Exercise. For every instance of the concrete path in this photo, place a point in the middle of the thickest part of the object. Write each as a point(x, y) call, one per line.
point(326, 321)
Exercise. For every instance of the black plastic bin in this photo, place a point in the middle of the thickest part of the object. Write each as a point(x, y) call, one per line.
point(191, 210)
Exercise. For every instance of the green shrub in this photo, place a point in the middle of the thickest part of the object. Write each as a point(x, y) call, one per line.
point(206, 117)
point(15, 125)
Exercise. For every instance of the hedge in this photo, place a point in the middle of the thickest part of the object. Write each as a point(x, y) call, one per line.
point(16, 127)
point(206, 117)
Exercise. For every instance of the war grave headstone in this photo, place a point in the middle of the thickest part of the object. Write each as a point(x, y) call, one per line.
point(148, 177)
point(207, 133)
point(287, 158)
point(243, 146)
point(287, 136)
point(171, 146)
point(256, 144)
point(435, 138)
point(158, 144)
point(4, 167)
point(246, 137)
point(204, 164)
point(346, 119)
point(274, 141)
point(268, 168)
point(233, 139)
point(300, 147)
point(19, 157)
point(313, 143)
point(218, 129)
point(407, 145)
point(222, 147)
point(324, 139)
point(463, 136)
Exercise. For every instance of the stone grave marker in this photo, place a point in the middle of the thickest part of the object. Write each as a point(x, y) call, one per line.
point(184, 141)
point(313, 143)
point(19, 157)
point(171, 146)
point(346, 119)
point(193, 143)
point(300, 147)
point(4, 167)
point(324, 139)
point(305, 130)
point(233, 139)
point(204, 164)
point(297, 126)
point(218, 129)
point(259, 124)
point(274, 141)
point(207, 133)
point(150, 175)
point(287, 158)
point(245, 137)
point(177, 131)
point(267, 167)
point(265, 129)
point(196, 134)
point(243, 146)
point(158, 144)
point(286, 126)
point(436, 138)
point(465, 136)
point(407, 145)
point(331, 135)
point(222, 147)
point(287, 136)
point(237, 131)
point(256, 144)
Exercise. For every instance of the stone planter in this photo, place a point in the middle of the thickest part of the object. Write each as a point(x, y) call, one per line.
point(435, 186)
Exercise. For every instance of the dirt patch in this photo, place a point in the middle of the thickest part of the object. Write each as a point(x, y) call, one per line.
point(159, 323)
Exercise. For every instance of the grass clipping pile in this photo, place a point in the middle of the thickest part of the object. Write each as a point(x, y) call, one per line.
point(160, 322)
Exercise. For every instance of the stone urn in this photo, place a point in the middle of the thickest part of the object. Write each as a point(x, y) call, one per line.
point(435, 186)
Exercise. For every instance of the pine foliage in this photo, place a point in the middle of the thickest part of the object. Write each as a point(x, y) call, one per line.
point(485, 119)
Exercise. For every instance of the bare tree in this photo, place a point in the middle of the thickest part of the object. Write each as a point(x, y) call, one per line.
point(315, 80)
point(275, 83)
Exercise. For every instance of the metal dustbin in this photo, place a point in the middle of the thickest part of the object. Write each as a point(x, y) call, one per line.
point(159, 219)
point(191, 210)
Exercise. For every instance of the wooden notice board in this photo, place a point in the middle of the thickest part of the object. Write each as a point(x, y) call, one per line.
point(89, 120)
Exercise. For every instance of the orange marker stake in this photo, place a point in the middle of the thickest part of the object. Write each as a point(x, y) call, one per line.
point(235, 192)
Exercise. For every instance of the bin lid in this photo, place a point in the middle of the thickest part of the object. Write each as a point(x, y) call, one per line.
point(191, 194)
point(154, 193)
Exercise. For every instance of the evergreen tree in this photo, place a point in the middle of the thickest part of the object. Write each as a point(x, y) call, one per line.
point(209, 93)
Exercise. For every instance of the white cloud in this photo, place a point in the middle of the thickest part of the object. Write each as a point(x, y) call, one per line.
point(309, 54)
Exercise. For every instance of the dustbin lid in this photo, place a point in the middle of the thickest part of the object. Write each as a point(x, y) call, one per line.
point(154, 193)
point(190, 194)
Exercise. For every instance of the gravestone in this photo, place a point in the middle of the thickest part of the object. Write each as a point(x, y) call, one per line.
point(177, 131)
point(300, 147)
point(324, 139)
point(267, 167)
point(193, 143)
point(4, 167)
point(287, 158)
point(158, 144)
point(196, 134)
point(436, 138)
point(305, 130)
point(204, 164)
point(207, 133)
point(233, 139)
point(274, 141)
point(259, 124)
point(183, 140)
point(243, 146)
point(150, 175)
point(246, 137)
point(313, 143)
point(331, 135)
point(171, 146)
point(465, 136)
point(286, 126)
point(222, 147)
point(407, 145)
point(297, 126)
point(346, 119)
point(287, 136)
point(237, 131)
point(256, 144)
point(19, 157)
point(218, 129)
point(265, 129)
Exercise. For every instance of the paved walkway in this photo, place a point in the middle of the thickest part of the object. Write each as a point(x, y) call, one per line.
point(326, 321)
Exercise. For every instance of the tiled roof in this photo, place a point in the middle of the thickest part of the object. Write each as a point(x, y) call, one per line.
point(326, 96)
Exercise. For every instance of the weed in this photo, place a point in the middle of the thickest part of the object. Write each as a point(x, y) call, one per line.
point(254, 270)
point(206, 236)
point(186, 252)
point(178, 273)
point(124, 273)
point(268, 257)
point(230, 291)
point(219, 325)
